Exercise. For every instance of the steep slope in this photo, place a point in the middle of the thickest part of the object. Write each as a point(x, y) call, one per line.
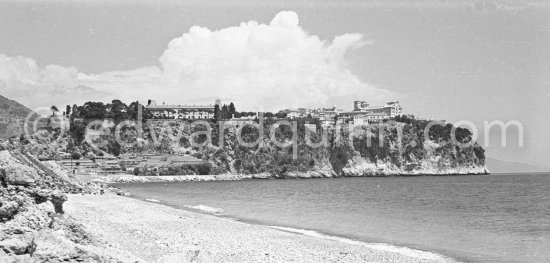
point(364, 151)
point(12, 115)
point(403, 150)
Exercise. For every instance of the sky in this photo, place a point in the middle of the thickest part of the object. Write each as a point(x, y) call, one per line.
point(470, 61)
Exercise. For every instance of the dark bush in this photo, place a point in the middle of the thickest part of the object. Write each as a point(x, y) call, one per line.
point(76, 156)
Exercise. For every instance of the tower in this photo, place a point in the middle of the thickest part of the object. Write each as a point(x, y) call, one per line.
point(356, 105)
point(359, 105)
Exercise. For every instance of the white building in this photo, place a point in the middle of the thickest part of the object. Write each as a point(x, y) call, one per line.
point(296, 113)
point(327, 116)
point(363, 113)
point(390, 110)
point(181, 111)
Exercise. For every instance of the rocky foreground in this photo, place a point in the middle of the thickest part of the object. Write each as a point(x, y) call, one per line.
point(33, 223)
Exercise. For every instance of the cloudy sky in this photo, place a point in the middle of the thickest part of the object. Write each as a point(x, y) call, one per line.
point(476, 61)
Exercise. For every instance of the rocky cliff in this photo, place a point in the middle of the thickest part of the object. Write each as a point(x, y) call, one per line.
point(403, 150)
point(33, 227)
point(400, 148)
point(397, 150)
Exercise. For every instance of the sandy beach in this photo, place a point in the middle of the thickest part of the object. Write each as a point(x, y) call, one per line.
point(156, 233)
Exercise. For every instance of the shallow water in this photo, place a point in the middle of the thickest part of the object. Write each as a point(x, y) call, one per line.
point(485, 218)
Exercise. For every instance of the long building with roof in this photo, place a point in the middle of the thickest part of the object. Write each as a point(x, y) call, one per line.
point(363, 113)
point(173, 111)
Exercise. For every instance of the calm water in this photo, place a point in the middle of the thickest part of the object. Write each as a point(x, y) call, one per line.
point(492, 218)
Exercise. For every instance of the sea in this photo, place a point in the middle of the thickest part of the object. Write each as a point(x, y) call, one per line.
point(474, 218)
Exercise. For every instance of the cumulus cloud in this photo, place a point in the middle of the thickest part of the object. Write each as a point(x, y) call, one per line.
point(23, 80)
point(269, 66)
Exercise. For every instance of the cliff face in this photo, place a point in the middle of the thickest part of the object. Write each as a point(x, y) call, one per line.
point(399, 148)
point(403, 150)
point(280, 158)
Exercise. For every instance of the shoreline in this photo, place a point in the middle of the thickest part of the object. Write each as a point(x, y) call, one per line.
point(159, 233)
point(374, 243)
point(117, 179)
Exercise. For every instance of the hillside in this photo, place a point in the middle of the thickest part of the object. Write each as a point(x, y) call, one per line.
point(394, 148)
point(345, 154)
point(12, 108)
point(12, 115)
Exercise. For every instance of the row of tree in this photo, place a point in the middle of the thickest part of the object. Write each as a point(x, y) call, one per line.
point(117, 110)
point(225, 112)
point(120, 111)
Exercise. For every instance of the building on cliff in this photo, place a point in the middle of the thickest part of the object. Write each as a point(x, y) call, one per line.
point(296, 113)
point(390, 110)
point(327, 116)
point(58, 122)
point(181, 111)
point(363, 113)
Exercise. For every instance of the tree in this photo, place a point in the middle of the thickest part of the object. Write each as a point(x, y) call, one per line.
point(116, 149)
point(117, 106)
point(133, 110)
point(93, 110)
point(75, 110)
point(216, 112)
point(76, 156)
point(118, 110)
point(68, 110)
point(54, 110)
point(77, 130)
point(231, 110)
point(280, 115)
point(225, 112)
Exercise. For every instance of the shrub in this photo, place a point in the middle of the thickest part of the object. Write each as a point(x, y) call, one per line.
point(76, 156)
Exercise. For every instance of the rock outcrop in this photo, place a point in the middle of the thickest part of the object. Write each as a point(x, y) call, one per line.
point(373, 151)
point(392, 150)
point(32, 225)
point(17, 174)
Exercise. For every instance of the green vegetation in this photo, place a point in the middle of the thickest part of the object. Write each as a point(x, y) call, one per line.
point(76, 156)
point(398, 147)
point(186, 169)
point(404, 146)
point(266, 156)
point(116, 111)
